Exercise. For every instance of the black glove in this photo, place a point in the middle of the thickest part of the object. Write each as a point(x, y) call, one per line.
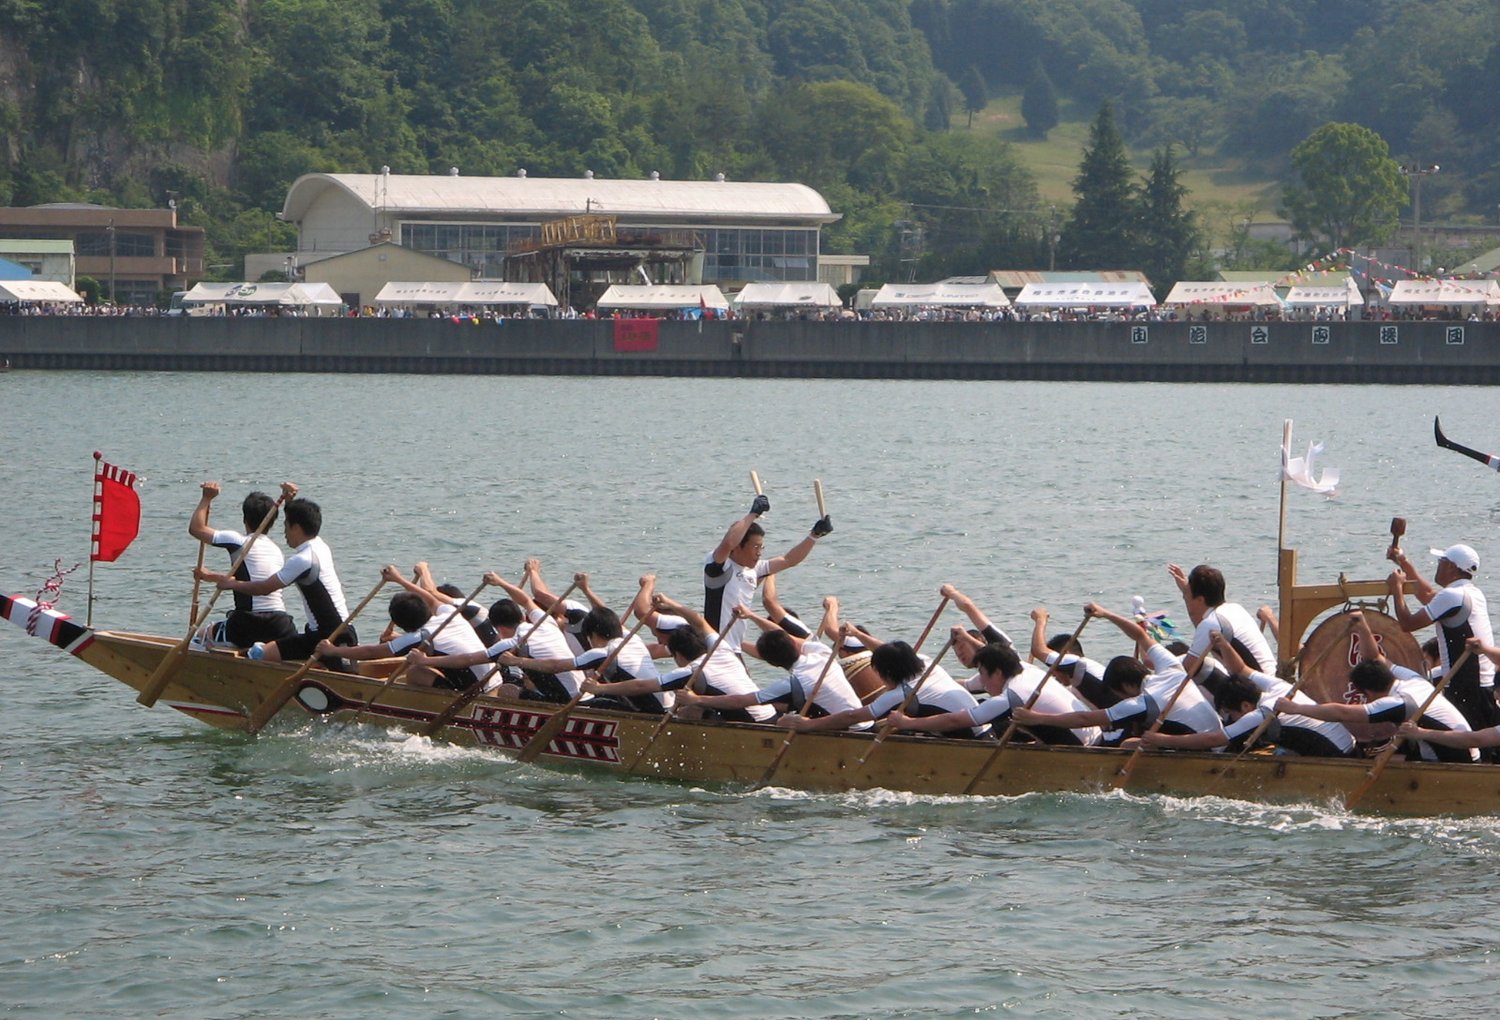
point(760, 504)
point(822, 526)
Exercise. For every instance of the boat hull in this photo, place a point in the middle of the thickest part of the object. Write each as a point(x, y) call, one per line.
point(223, 690)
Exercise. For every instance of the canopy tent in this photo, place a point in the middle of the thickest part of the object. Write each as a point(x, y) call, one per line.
point(282, 295)
point(454, 295)
point(1224, 295)
point(1445, 292)
point(944, 295)
point(1086, 295)
point(662, 298)
point(787, 295)
point(38, 290)
point(1342, 295)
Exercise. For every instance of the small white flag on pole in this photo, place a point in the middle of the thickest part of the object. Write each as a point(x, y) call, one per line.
point(1301, 470)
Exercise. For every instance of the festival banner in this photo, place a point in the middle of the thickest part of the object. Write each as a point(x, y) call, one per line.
point(635, 335)
point(117, 511)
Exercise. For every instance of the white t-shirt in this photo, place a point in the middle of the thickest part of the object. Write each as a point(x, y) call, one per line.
point(834, 696)
point(728, 585)
point(1240, 629)
point(634, 662)
point(939, 691)
point(724, 673)
point(1460, 611)
point(1056, 698)
point(456, 638)
point(1192, 710)
point(263, 560)
point(310, 568)
point(548, 641)
point(1272, 688)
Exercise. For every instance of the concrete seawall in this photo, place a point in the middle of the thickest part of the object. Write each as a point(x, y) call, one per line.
point(1354, 352)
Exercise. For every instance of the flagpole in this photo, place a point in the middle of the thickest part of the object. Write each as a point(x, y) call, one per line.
point(93, 536)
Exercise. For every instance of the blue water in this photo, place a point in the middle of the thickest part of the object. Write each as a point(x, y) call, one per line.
point(156, 867)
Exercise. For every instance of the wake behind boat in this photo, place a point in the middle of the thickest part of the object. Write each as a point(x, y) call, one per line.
point(224, 690)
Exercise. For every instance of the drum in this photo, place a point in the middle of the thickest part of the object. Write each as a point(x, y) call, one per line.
point(1332, 649)
point(857, 671)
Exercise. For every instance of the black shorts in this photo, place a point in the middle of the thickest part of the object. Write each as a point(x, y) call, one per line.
point(301, 646)
point(243, 629)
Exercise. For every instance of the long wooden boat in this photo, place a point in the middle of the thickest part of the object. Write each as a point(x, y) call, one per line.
point(224, 689)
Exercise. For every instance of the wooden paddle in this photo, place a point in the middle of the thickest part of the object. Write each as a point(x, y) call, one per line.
point(1448, 444)
point(279, 697)
point(198, 581)
point(755, 481)
point(554, 725)
point(807, 707)
point(886, 729)
point(162, 675)
point(474, 690)
point(667, 716)
point(1010, 729)
point(818, 495)
point(401, 670)
point(1385, 756)
point(936, 613)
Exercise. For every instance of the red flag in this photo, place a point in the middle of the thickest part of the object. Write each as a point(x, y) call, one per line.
point(636, 335)
point(117, 510)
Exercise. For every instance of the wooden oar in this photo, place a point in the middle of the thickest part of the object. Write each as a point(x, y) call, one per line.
point(1448, 444)
point(1124, 775)
point(553, 726)
point(936, 613)
point(886, 729)
point(279, 697)
point(474, 690)
point(667, 716)
point(1010, 729)
point(162, 675)
point(818, 495)
point(197, 581)
point(401, 670)
point(1385, 756)
point(807, 707)
point(755, 481)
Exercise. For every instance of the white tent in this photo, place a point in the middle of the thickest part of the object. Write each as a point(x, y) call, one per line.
point(1339, 295)
point(482, 292)
point(37, 290)
point(284, 295)
point(1086, 295)
point(787, 295)
point(946, 295)
point(1220, 294)
point(1445, 292)
point(662, 298)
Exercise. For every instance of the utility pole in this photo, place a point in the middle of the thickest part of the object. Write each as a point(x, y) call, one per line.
point(1415, 172)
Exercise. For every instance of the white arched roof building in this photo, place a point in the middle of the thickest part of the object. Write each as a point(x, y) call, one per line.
point(749, 231)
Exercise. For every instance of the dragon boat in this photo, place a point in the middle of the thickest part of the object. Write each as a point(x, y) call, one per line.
point(225, 690)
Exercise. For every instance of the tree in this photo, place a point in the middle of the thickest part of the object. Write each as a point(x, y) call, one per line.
point(1039, 103)
point(1349, 190)
point(976, 92)
point(1100, 233)
point(1168, 232)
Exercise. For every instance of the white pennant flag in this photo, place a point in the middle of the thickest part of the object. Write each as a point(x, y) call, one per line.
point(1301, 470)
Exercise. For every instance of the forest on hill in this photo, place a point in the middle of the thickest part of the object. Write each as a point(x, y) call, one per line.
point(220, 104)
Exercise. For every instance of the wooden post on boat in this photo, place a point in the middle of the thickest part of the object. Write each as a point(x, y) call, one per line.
point(281, 695)
point(554, 725)
point(162, 675)
point(474, 690)
point(885, 731)
point(1010, 729)
point(1385, 756)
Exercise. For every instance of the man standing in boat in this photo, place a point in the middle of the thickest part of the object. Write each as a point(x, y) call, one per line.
point(254, 617)
point(735, 567)
point(311, 569)
point(1203, 595)
point(1459, 610)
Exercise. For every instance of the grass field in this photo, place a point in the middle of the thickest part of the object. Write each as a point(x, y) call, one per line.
point(1219, 189)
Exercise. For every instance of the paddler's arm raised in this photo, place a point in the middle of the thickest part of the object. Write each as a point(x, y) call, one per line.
point(970, 608)
point(662, 604)
point(514, 592)
point(1134, 631)
point(736, 533)
point(198, 525)
point(797, 553)
point(582, 580)
point(392, 573)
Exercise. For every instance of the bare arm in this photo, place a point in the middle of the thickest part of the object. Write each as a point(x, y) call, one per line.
point(1423, 589)
point(932, 723)
point(1489, 737)
point(1134, 631)
point(514, 592)
point(1039, 649)
point(793, 556)
point(536, 665)
point(837, 721)
point(264, 586)
point(624, 688)
point(1409, 620)
point(393, 574)
point(663, 604)
point(1205, 741)
point(1331, 711)
point(419, 658)
point(359, 653)
point(198, 525)
point(965, 605)
point(582, 580)
point(734, 536)
point(685, 697)
point(1062, 720)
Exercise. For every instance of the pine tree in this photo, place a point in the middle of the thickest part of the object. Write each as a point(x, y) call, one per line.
point(1039, 102)
point(1100, 232)
point(1168, 233)
point(976, 92)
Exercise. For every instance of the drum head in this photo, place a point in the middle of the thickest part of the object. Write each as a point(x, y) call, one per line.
point(857, 671)
point(1332, 649)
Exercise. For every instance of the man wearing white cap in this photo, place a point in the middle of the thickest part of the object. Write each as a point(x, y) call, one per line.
point(1459, 610)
